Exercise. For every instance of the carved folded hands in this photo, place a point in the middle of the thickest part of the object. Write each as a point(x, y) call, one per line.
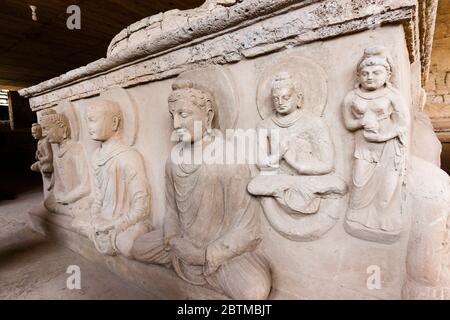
point(102, 225)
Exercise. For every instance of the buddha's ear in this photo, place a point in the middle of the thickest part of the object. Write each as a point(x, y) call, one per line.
point(210, 119)
point(65, 134)
point(300, 99)
point(209, 114)
point(116, 123)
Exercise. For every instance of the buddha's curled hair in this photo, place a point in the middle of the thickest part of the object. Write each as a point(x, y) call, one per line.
point(185, 89)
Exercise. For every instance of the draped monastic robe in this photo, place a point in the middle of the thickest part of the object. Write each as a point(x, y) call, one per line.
point(71, 182)
point(208, 206)
point(305, 173)
point(121, 194)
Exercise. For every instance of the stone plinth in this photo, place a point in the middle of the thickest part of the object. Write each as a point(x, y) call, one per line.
point(329, 213)
point(157, 280)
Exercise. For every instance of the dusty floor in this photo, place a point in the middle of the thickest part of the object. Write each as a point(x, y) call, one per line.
point(32, 267)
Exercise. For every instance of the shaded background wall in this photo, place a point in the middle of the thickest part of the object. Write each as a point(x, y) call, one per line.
point(438, 84)
point(32, 51)
point(17, 147)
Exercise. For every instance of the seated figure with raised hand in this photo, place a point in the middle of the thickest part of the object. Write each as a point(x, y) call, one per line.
point(121, 207)
point(296, 160)
point(211, 227)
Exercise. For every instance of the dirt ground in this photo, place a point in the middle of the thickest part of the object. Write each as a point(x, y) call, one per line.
point(32, 267)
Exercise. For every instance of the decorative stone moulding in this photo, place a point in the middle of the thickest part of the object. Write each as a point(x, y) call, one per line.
point(339, 175)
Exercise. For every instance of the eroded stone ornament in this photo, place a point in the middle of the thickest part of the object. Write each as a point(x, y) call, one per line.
point(70, 194)
point(44, 154)
point(121, 207)
point(225, 3)
point(377, 113)
point(298, 173)
point(211, 228)
point(428, 255)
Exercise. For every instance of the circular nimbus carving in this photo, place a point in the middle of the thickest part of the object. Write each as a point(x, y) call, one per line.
point(310, 80)
point(129, 113)
point(217, 81)
point(68, 110)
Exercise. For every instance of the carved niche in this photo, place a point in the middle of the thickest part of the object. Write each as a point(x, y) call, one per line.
point(71, 188)
point(121, 207)
point(212, 225)
point(300, 193)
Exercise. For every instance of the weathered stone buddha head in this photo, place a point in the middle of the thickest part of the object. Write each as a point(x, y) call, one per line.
point(104, 119)
point(374, 69)
point(36, 131)
point(190, 108)
point(55, 126)
point(285, 97)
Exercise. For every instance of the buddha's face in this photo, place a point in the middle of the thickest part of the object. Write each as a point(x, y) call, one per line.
point(373, 77)
point(102, 125)
point(186, 118)
point(36, 132)
point(285, 100)
point(55, 133)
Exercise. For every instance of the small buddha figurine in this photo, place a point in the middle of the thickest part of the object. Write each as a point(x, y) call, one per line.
point(379, 117)
point(121, 208)
point(70, 195)
point(211, 225)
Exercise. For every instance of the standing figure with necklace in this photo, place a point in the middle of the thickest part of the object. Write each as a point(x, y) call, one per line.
point(378, 115)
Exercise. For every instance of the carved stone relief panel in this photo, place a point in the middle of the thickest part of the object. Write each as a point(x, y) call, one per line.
point(328, 152)
point(211, 229)
point(121, 208)
point(378, 115)
point(299, 190)
point(428, 251)
point(71, 187)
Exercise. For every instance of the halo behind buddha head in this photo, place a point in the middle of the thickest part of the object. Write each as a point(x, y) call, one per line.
point(308, 78)
point(285, 80)
point(67, 109)
point(217, 83)
point(109, 106)
point(120, 98)
point(200, 97)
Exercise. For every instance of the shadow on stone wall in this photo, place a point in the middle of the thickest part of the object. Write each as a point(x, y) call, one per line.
point(445, 157)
